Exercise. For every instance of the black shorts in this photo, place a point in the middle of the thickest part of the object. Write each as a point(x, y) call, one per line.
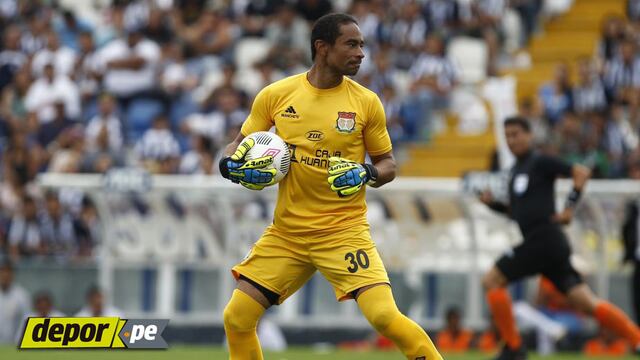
point(544, 251)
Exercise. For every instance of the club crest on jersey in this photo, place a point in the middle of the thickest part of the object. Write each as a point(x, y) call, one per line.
point(346, 122)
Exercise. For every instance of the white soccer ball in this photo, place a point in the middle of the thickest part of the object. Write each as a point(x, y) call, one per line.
point(268, 143)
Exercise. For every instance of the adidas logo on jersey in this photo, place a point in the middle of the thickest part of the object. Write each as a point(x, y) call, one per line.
point(290, 112)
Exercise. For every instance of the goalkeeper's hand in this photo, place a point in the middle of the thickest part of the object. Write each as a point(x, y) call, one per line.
point(251, 174)
point(347, 177)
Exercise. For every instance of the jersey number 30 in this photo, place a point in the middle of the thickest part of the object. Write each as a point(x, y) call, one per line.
point(357, 260)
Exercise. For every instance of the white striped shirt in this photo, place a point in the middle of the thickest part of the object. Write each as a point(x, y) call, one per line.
point(589, 97)
point(157, 144)
point(430, 65)
point(440, 12)
point(620, 75)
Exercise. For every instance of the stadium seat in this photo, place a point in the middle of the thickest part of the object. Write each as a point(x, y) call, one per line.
point(250, 50)
point(470, 55)
point(139, 117)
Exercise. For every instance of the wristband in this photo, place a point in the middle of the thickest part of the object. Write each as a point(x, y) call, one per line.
point(372, 174)
point(572, 198)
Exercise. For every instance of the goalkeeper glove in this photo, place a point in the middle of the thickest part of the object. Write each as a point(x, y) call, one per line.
point(251, 174)
point(347, 177)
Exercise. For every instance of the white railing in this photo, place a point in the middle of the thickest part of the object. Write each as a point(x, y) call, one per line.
point(422, 227)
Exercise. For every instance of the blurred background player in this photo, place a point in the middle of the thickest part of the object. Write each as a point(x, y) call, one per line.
point(95, 305)
point(545, 248)
point(339, 245)
point(454, 338)
point(14, 304)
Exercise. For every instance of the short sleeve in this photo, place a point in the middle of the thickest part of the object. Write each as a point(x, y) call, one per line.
point(554, 167)
point(260, 118)
point(376, 137)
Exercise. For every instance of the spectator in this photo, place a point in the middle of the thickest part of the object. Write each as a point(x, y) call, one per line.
point(105, 124)
point(14, 300)
point(289, 35)
point(11, 58)
point(52, 131)
point(69, 27)
point(49, 89)
point(435, 77)
point(313, 9)
point(557, 96)
point(67, 152)
point(218, 125)
point(25, 232)
point(212, 34)
point(392, 108)
point(87, 228)
point(35, 38)
point(442, 16)
point(96, 306)
point(454, 338)
point(87, 67)
point(532, 111)
point(381, 75)
point(157, 28)
point(43, 305)
point(12, 99)
point(633, 10)
point(408, 33)
point(20, 165)
point(613, 33)
point(177, 77)
point(588, 93)
point(528, 11)
point(489, 339)
point(622, 75)
point(482, 19)
point(606, 344)
point(158, 150)
point(200, 159)
point(567, 139)
point(368, 20)
point(57, 227)
point(63, 58)
point(129, 67)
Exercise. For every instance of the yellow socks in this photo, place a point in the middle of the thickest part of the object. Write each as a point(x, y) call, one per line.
point(378, 306)
point(240, 321)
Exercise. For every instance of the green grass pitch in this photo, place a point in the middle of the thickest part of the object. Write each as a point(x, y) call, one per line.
point(184, 352)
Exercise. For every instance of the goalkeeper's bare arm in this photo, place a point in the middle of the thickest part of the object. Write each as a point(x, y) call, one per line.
point(386, 166)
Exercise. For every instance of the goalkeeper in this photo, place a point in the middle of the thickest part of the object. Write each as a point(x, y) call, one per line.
point(330, 122)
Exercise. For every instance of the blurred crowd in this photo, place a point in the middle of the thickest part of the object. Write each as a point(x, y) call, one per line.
point(593, 116)
point(164, 84)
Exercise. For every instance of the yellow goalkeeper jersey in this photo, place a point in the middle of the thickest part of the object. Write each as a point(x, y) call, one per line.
point(346, 121)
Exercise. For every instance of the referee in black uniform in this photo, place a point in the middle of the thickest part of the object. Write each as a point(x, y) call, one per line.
point(545, 249)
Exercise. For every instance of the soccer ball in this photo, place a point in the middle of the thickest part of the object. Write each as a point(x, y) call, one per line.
point(268, 143)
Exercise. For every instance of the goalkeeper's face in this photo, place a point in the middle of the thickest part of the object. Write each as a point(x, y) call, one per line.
point(345, 56)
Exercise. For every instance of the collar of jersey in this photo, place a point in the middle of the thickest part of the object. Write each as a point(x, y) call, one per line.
point(317, 91)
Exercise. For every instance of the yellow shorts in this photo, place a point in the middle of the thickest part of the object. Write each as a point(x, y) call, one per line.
point(283, 263)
